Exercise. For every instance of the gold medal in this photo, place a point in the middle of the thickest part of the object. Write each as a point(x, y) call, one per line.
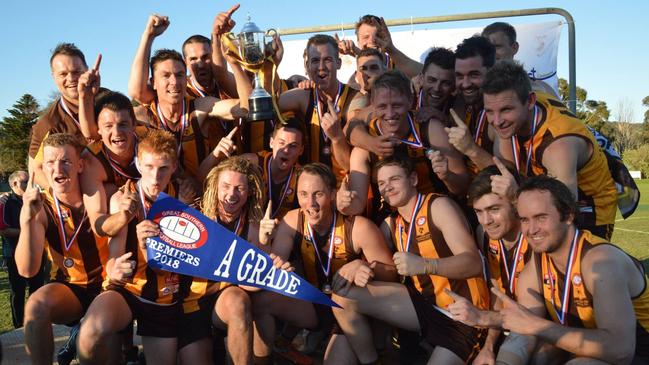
point(326, 150)
point(326, 288)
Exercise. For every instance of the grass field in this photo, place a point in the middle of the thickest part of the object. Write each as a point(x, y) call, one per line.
point(631, 234)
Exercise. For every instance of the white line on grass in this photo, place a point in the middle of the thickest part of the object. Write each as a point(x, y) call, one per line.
point(631, 218)
point(630, 230)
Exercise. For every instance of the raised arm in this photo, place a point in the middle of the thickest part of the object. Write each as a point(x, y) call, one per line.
point(138, 82)
point(402, 62)
point(358, 181)
point(88, 86)
point(31, 242)
point(223, 23)
point(454, 173)
point(283, 241)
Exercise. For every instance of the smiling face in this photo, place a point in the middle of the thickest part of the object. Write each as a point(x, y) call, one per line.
point(233, 192)
point(316, 199)
point(287, 147)
point(156, 170)
point(439, 84)
point(505, 49)
point(541, 221)
point(116, 131)
point(368, 36)
point(66, 71)
point(391, 107)
point(395, 186)
point(469, 74)
point(322, 64)
point(198, 58)
point(496, 215)
point(62, 166)
point(506, 113)
point(169, 81)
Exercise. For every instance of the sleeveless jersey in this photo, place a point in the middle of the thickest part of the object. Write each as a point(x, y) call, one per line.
point(429, 243)
point(194, 146)
point(82, 260)
point(116, 173)
point(597, 197)
point(152, 286)
point(58, 119)
point(317, 147)
point(284, 195)
point(255, 135)
point(580, 311)
point(504, 265)
point(304, 249)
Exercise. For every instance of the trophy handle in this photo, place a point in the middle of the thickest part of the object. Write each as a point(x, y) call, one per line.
point(271, 32)
point(230, 41)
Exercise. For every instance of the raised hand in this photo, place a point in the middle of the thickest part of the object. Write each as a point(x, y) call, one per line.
point(157, 24)
point(122, 268)
point(504, 184)
point(128, 203)
point(364, 274)
point(33, 197)
point(463, 310)
point(277, 49)
point(267, 225)
point(330, 122)
point(347, 46)
point(226, 146)
point(90, 81)
point(459, 136)
point(306, 84)
point(344, 196)
point(439, 163)
point(384, 38)
point(383, 145)
point(223, 22)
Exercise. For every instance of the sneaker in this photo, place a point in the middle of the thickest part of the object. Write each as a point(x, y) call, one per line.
point(68, 352)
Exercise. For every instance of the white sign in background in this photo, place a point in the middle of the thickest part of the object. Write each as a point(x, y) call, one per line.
point(539, 46)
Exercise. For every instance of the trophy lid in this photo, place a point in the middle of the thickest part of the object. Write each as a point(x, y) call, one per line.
point(250, 27)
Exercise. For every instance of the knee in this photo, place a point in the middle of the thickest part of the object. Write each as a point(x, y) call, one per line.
point(91, 334)
point(238, 307)
point(37, 309)
point(348, 303)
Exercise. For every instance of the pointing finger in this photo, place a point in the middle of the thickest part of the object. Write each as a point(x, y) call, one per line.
point(97, 63)
point(502, 296)
point(31, 181)
point(232, 10)
point(453, 295)
point(501, 167)
point(232, 132)
point(457, 119)
point(269, 209)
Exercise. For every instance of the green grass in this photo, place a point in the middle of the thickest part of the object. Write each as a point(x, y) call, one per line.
point(632, 234)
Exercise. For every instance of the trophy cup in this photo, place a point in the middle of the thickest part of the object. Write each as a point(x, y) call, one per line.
point(251, 49)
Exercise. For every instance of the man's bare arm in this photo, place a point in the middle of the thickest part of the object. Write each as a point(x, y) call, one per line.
point(138, 82)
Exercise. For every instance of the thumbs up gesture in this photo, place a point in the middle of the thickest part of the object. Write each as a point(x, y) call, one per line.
point(267, 225)
point(459, 136)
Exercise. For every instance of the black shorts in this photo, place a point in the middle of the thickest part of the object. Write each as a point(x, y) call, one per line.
point(152, 320)
point(439, 330)
point(197, 325)
point(85, 295)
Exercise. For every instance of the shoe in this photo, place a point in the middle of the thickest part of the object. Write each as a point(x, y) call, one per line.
point(68, 352)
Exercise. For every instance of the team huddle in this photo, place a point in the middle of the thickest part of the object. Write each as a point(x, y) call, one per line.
point(455, 204)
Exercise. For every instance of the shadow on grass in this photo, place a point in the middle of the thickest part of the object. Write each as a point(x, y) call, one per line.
point(645, 263)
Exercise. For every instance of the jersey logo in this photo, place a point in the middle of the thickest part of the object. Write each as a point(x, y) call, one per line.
point(181, 229)
point(421, 221)
point(576, 279)
point(338, 241)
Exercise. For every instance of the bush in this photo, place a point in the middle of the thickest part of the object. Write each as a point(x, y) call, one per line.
point(638, 159)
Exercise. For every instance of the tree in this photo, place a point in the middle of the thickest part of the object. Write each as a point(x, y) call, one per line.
point(626, 136)
point(594, 113)
point(638, 159)
point(15, 130)
point(645, 124)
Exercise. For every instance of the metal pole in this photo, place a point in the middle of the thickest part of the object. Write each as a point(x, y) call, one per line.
point(572, 78)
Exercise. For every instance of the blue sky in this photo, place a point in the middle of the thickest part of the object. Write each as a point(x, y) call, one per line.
point(612, 55)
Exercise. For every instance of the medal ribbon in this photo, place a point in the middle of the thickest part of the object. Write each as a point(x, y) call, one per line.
point(196, 87)
point(481, 120)
point(516, 147)
point(116, 166)
point(69, 113)
point(270, 187)
point(183, 125)
point(417, 143)
point(413, 216)
point(62, 235)
point(331, 246)
point(387, 60)
point(511, 273)
point(319, 107)
point(142, 198)
point(565, 302)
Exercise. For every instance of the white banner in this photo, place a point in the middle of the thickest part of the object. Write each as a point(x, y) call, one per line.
point(539, 46)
